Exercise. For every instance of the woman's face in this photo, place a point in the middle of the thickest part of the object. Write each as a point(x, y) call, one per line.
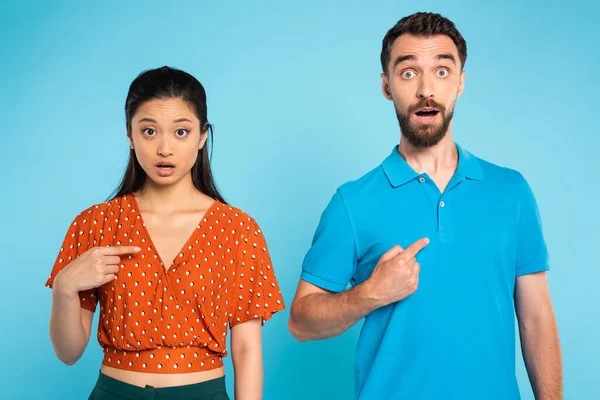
point(166, 137)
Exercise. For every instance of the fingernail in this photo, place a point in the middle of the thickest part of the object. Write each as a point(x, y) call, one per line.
point(426, 240)
point(137, 248)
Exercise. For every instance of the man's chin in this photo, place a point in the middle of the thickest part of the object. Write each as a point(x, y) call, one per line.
point(426, 134)
point(424, 138)
point(425, 129)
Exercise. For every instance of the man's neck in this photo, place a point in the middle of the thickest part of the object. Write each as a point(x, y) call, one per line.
point(436, 160)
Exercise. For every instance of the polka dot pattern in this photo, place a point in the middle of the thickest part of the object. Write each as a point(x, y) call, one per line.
point(165, 321)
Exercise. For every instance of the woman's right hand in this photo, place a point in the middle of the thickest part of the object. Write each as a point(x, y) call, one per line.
point(92, 269)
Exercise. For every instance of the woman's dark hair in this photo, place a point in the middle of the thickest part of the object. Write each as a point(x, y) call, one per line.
point(423, 24)
point(168, 83)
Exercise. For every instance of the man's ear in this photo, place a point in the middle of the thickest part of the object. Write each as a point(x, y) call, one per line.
point(385, 87)
point(461, 85)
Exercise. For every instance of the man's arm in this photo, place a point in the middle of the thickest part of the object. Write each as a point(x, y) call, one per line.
point(539, 336)
point(319, 314)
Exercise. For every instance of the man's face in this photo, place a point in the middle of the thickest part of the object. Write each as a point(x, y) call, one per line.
point(424, 78)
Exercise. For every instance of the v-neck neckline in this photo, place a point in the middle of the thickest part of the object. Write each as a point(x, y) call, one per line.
point(200, 224)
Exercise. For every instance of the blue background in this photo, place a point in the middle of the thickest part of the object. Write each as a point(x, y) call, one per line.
point(294, 94)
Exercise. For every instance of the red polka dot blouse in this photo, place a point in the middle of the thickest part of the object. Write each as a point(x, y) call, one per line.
point(174, 321)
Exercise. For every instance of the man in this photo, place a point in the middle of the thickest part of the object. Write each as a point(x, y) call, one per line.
point(439, 246)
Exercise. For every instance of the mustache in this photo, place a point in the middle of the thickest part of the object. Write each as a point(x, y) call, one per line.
point(427, 103)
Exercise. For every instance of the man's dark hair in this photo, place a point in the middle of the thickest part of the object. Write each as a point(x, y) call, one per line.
point(423, 24)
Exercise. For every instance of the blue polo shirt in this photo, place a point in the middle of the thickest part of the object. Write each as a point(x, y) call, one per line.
point(454, 338)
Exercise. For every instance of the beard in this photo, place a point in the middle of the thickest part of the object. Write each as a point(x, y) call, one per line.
point(420, 135)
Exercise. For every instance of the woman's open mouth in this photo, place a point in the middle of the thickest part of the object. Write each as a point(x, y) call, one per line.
point(164, 168)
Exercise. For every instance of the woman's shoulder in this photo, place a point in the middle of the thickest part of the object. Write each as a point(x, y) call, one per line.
point(103, 210)
point(234, 214)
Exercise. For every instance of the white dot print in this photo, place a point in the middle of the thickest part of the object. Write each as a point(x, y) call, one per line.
point(214, 282)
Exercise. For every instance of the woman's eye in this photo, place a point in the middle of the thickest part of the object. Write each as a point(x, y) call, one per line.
point(181, 132)
point(408, 74)
point(442, 73)
point(149, 132)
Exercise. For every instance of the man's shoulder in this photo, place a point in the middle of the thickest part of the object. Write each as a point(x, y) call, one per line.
point(364, 186)
point(497, 174)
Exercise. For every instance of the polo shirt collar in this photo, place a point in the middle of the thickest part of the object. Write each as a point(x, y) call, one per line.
point(397, 169)
point(468, 165)
point(399, 172)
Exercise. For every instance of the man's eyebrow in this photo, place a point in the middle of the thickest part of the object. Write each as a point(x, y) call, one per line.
point(446, 56)
point(410, 57)
point(403, 58)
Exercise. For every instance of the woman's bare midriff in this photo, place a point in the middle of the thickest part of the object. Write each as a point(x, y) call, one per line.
point(161, 380)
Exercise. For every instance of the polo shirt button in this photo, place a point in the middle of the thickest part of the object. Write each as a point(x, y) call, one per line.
point(421, 179)
point(442, 204)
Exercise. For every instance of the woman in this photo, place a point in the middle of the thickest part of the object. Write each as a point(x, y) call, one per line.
point(169, 262)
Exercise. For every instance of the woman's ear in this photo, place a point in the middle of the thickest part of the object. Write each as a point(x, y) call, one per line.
point(203, 135)
point(129, 138)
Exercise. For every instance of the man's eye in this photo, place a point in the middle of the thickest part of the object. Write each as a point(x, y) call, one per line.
point(408, 74)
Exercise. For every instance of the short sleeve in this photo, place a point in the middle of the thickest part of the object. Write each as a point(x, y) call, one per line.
point(77, 241)
point(256, 292)
point(532, 253)
point(331, 261)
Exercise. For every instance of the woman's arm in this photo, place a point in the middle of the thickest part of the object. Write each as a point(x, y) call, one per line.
point(246, 354)
point(70, 326)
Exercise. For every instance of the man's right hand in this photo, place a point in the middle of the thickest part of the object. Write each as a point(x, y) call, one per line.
point(92, 269)
point(396, 275)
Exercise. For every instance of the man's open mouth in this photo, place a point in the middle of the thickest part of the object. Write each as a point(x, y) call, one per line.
point(427, 112)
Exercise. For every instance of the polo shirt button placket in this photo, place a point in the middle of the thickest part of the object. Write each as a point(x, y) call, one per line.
point(445, 223)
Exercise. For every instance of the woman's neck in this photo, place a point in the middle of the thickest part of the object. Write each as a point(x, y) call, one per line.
point(165, 199)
